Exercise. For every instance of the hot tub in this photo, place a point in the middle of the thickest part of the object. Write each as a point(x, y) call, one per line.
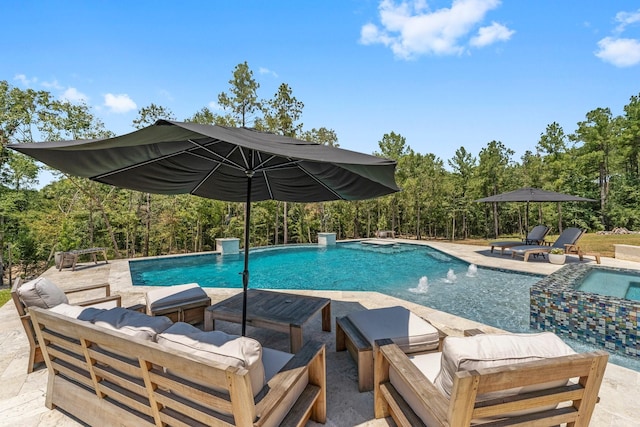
point(595, 304)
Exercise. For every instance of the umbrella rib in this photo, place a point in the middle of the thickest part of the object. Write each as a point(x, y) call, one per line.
point(329, 189)
point(223, 159)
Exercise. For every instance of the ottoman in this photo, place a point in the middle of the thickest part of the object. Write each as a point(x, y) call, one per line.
point(180, 303)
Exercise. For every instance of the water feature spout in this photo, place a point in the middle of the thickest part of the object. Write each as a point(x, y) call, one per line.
point(451, 276)
point(472, 271)
point(423, 286)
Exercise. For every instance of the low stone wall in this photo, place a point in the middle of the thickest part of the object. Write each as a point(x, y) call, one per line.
point(627, 252)
point(605, 321)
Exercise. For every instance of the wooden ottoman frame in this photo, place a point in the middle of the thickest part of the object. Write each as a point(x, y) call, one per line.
point(349, 337)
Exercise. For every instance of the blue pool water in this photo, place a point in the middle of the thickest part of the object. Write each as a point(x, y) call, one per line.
point(614, 284)
point(415, 273)
point(399, 270)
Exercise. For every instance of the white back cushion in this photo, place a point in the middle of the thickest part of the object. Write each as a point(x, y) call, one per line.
point(132, 323)
point(490, 350)
point(230, 350)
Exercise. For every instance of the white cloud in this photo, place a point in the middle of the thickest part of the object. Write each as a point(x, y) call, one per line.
point(627, 18)
point(119, 103)
point(619, 52)
point(73, 95)
point(491, 34)
point(213, 105)
point(410, 29)
point(52, 85)
point(25, 80)
point(263, 70)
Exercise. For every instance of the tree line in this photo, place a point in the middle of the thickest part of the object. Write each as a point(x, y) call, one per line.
point(600, 160)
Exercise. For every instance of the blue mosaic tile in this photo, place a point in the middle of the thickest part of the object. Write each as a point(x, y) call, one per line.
point(609, 322)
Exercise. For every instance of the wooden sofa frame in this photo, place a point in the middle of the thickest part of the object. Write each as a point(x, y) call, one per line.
point(88, 380)
point(349, 337)
point(35, 353)
point(461, 408)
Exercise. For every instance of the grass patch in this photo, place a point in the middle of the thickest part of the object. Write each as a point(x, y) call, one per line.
point(5, 295)
point(589, 242)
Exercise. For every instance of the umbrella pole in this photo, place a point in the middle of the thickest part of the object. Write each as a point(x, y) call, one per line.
point(245, 272)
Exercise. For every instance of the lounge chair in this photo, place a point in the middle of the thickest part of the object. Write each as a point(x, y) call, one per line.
point(566, 241)
point(43, 293)
point(535, 237)
point(505, 379)
point(358, 332)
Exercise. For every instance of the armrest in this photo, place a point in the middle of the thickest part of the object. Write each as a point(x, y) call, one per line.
point(312, 357)
point(425, 393)
point(116, 298)
point(106, 286)
point(570, 248)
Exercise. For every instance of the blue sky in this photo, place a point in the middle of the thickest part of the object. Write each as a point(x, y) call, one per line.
point(443, 74)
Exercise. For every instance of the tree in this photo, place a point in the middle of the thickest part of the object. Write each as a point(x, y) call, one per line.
point(494, 161)
point(242, 98)
point(463, 165)
point(598, 135)
point(281, 114)
point(150, 114)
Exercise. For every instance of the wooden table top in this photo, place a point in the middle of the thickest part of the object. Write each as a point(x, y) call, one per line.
point(272, 306)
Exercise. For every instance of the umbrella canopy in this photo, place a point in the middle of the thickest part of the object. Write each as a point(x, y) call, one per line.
point(223, 163)
point(529, 194)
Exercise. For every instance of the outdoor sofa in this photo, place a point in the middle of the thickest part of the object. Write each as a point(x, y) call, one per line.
point(491, 380)
point(119, 367)
point(535, 237)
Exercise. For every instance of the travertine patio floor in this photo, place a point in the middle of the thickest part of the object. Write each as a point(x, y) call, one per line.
point(22, 395)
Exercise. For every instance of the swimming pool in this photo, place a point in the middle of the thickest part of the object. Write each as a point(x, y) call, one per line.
point(415, 273)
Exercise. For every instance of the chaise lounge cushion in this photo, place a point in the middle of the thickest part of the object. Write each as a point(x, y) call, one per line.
point(41, 292)
point(397, 323)
point(230, 350)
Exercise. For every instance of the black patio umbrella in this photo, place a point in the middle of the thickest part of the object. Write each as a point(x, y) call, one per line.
point(529, 194)
point(223, 163)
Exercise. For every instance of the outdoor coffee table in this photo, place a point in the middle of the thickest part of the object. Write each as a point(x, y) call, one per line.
point(277, 311)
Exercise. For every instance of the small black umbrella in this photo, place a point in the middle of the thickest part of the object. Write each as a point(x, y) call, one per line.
point(529, 194)
point(223, 163)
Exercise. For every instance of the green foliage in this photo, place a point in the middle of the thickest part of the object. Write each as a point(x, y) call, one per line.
point(5, 295)
point(600, 161)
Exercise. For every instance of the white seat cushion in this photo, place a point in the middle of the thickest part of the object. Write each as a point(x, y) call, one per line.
point(41, 292)
point(229, 350)
point(69, 310)
point(168, 296)
point(429, 365)
point(397, 323)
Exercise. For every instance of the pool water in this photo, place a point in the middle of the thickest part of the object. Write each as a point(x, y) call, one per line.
point(415, 273)
point(614, 284)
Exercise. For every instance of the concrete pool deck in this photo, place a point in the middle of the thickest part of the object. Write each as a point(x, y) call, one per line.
point(22, 395)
